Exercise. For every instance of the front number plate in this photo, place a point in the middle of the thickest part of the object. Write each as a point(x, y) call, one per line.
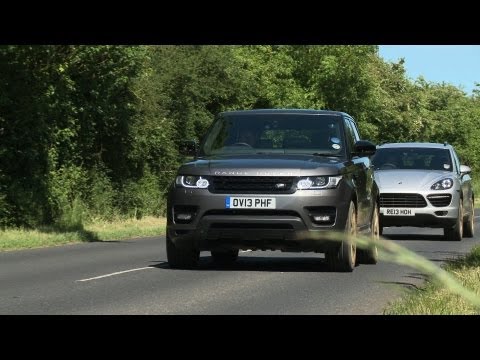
point(397, 211)
point(249, 203)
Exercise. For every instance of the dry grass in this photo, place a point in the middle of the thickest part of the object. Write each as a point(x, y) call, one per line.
point(435, 299)
point(15, 239)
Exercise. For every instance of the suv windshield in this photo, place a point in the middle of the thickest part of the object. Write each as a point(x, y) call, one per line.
point(412, 158)
point(274, 133)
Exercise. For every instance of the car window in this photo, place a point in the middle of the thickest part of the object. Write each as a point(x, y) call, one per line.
point(412, 158)
point(355, 130)
point(350, 134)
point(275, 133)
point(456, 160)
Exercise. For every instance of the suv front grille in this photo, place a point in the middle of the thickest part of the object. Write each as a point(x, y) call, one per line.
point(440, 200)
point(252, 184)
point(402, 201)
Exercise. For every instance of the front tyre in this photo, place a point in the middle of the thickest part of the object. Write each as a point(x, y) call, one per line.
point(370, 255)
point(342, 258)
point(455, 233)
point(469, 224)
point(181, 258)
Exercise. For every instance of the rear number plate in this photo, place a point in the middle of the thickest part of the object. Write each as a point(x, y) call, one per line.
point(249, 203)
point(397, 211)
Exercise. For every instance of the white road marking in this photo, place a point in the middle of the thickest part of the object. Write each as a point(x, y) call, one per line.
point(116, 273)
point(245, 250)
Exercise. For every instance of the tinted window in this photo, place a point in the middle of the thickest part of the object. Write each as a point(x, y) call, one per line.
point(350, 134)
point(276, 133)
point(354, 129)
point(412, 158)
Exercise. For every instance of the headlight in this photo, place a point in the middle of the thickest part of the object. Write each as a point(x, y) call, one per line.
point(192, 181)
point(443, 184)
point(318, 182)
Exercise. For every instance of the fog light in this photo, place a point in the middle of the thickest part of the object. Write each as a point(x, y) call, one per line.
point(321, 218)
point(441, 213)
point(184, 217)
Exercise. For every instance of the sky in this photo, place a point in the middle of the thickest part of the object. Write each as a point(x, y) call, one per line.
point(458, 65)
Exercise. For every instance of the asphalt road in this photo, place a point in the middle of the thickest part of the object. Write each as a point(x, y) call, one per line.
point(132, 277)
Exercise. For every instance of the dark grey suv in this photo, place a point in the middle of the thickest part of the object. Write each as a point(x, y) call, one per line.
point(275, 180)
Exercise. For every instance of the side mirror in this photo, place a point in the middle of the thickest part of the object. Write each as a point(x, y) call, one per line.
point(188, 148)
point(464, 169)
point(364, 148)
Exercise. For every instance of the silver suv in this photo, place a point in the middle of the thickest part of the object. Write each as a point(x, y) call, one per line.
point(275, 180)
point(424, 185)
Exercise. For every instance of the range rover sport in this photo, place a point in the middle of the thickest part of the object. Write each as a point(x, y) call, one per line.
point(275, 180)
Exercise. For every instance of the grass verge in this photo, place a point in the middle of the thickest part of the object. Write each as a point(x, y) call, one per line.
point(14, 239)
point(435, 299)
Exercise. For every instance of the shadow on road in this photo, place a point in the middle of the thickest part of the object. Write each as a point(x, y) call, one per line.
point(403, 284)
point(418, 278)
point(409, 237)
point(446, 256)
point(271, 264)
point(85, 235)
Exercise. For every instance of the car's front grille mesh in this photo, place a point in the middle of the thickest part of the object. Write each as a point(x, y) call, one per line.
point(251, 184)
point(402, 201)
point(440, 200)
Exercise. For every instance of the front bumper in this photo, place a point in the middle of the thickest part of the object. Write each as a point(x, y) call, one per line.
point(428, 216)
point(289, 227)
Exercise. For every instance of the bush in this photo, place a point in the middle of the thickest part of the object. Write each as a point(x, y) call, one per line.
point(65, 188)
point(143, 197)
point(4, 213)
point(101, 195)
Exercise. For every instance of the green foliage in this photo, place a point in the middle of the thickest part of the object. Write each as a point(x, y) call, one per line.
point(4, 213)
point(142, 197)
point(92, 132)
point(100, 195)
point(61, 107)
point(266, 79)
point(65, 188)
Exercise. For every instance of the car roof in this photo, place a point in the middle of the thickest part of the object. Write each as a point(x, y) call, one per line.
point(415, 145)
point(285, 112)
